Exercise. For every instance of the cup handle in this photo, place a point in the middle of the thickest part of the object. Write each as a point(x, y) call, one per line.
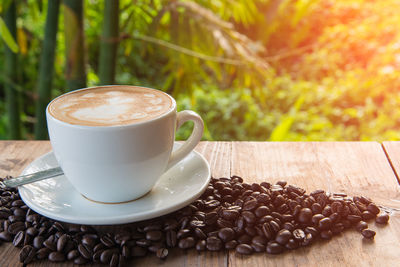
point(194, 139)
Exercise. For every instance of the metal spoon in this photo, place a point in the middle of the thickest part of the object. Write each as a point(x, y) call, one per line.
point(30, 178)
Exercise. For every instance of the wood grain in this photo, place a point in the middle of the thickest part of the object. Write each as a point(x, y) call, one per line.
point(15, 156)
point(351, 167)
point(357, 168)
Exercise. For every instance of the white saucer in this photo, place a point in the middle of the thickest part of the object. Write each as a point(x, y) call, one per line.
point(57, 199)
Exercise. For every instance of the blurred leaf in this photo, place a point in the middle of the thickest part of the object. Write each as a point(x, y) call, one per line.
point(7, 37)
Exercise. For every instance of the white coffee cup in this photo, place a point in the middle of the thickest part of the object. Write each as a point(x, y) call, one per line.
point(110, 155)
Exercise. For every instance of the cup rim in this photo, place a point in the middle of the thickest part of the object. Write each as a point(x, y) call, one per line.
point(167, 113)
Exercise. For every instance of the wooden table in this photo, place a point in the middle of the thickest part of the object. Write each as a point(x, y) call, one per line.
point(357, 168)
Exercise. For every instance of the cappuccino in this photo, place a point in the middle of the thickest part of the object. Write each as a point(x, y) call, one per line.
point(110, 105)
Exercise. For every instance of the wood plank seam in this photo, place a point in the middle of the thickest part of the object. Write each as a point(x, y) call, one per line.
point(391, 163)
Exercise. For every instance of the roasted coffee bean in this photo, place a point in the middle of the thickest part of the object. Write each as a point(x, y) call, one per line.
point(212, 233)
point(33, 218)
point(213, 243)
point(197, 224)
point(325, 223)
point(283, 236)
point(361, 206)
point(382, 218)
point(292, 244)
point(226, 234)
point(171, 238)
point(106, 255)
point(274, 248)
point(326, 234)
point(327, 211)
point(143, 243)
point(200, 234)
point(361, 225)
point(107, 241)
point(268, 231)
point(19, 239)
point(28, 240)
point(249, 217)
point(201, 245)
point(17, 203)
point(367, 215)
point(211, 218)
point(304, 215)
point(50, 243)
point(87, 229)
point(231, 244)
point(354, 209)
point(334, 217)
point(316, 208)
point(367, 233)
point(170, 224)
point(162, 253)
point(244, 249)
point(27, 254)
point(187, 242)
point(183, 233)
point(62, 242)
point(274, 225)
point(337, 206)
point(354, 218)
point(298, 234)
point(279, 200)
point(114, 260)
point(224, 223)
point(38, 242)
point(230, 214)
point(154, 235)
point(250, 230)
point(32, 231)
point(337, 228)
point(250, 204)
point(288, 226)
point(15, 227)
point(307, 240)
point(96, 256)
point(85, 251)
point(73, 254)
point(14, 218)
point(373, 208)
point(261, 211)
point(80, 260)
point(56, 256)
point(259, 240)
point(152, 227)
point(316, 218)
point(43, 253)
point(90, 240)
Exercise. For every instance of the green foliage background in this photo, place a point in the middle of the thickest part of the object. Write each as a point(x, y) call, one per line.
point(253, 69)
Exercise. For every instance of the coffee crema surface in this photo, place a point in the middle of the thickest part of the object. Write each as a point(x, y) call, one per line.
point(110, 106)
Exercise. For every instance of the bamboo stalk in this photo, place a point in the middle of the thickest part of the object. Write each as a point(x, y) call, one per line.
point(74, 44)
point(10, 70)
point(109, 42)
point(46, 68)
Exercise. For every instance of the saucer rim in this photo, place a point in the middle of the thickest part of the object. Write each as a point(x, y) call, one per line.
point(118, 219)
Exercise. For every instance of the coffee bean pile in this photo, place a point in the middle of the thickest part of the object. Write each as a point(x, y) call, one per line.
point(230, 215)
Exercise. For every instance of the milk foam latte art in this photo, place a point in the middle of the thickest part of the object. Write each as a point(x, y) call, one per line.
point(110, 106)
